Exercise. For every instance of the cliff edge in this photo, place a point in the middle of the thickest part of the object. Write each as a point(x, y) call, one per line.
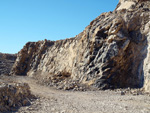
point(112, 52)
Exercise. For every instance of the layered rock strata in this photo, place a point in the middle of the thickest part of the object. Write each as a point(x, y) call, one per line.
point(112, 52)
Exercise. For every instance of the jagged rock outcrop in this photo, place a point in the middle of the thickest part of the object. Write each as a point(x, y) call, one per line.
point(6, 62)
point(112, 52)
point(13, 96)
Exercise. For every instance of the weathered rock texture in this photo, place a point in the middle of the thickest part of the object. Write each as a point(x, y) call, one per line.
point(14, 95)
point(112, 52)
point(6, 62)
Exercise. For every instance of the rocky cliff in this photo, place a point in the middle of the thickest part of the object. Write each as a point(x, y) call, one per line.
point(6, 62)
point(112, 52)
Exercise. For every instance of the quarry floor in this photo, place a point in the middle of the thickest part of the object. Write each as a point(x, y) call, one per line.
point(56, 101)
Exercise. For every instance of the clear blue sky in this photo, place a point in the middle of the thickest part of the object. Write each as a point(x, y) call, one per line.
point(32, 20)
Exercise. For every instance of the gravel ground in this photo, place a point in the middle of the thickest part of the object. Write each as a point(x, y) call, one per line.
point(56, 101)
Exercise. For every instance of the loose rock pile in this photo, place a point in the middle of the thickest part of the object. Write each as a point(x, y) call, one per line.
point(14, 95)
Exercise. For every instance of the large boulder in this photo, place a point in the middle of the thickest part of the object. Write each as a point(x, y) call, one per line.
point(112, 52)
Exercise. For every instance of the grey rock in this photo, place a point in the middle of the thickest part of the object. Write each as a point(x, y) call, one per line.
point(112, 52)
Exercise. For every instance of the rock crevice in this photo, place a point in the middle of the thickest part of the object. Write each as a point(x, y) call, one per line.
point(110, 53)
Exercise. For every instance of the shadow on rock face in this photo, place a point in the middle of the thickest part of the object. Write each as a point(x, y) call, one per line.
point(123, 62)
point(109, 53)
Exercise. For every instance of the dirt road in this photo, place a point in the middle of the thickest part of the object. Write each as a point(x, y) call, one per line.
point(56, 101)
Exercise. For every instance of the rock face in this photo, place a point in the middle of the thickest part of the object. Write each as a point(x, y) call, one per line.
point(6, 62)
point(112, 52)
point(14, 95)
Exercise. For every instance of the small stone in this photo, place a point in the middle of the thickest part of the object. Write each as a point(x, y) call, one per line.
point(25, 102)
point(122, 93)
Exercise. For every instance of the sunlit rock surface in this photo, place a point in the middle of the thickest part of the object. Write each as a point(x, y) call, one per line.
point(112, 52)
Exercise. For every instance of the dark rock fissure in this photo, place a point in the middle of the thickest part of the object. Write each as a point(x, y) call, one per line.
point(110, 53)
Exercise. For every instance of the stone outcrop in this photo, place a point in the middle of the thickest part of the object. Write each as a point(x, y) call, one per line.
point(13, 96)
point(6, 62)
point(112, 52)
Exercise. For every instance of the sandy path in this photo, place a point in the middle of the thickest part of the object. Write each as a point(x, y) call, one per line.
point(56, 101)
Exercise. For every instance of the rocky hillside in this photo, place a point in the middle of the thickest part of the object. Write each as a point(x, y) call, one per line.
point(6, 62)
point(112, 52)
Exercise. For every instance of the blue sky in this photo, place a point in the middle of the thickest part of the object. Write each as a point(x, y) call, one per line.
point(32, 20)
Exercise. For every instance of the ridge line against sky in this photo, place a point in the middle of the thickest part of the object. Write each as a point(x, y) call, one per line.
point(32, 20)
